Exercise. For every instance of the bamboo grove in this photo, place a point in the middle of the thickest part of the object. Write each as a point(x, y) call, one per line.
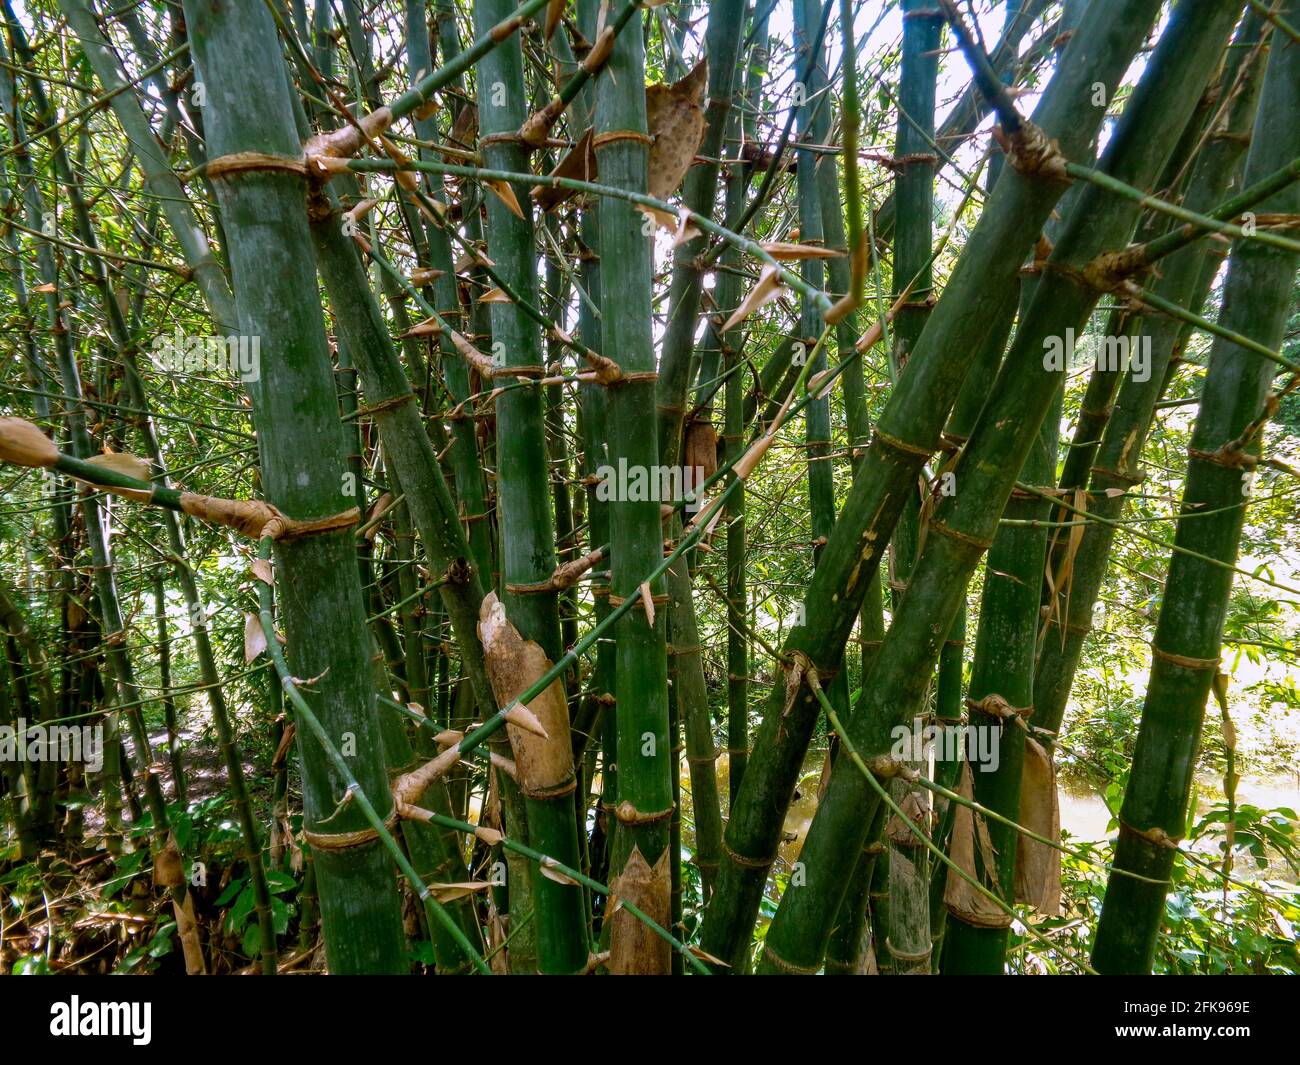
point(474, 472)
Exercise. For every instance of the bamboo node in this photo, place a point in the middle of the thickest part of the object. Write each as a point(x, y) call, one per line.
point(746, 862)
point(788, 966)
point(381, 405)
point(904, 956)
point(335, 841)
point(628, 814)
point(1185, 661)
point(610, 136)
point(243, 162)
point(887, 767)
point(1111, 269)
point(1033, 153)
point(1155, 835)
point(1231, 457)
point(896, 444)
point(994, 705)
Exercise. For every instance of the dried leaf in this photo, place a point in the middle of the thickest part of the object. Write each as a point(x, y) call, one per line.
point(282, 748)
point(458, 890)
point(551, 873)
point(254, 637)
point(662, 219)
point(960, 896)
point(168, 871)
point(700, 447)
point(636, 949)
point(1038, 866)
point(768, 287)
point(430, 327)
point(578, 164)
point(261, 568)
point(494, 295)
point(425, 275)
point(121, 462)
point(23, 444)
point(675, 119)
point(685, 231)
point(783, 252)
point(539, 732)
point(505, 194)
point(648, 601)
point(464, 130)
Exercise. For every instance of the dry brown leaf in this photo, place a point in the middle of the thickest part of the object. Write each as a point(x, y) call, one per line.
point(549, 871)
point(767, 288)
point(464, 130)
point(23, 444)
point(254, 637)
point(425, 275)
point(662, 219)
point(543, 758)
point(494, 295)
point(458, 889)
point(783, 252)
point(636, 949)
point(167, 868)
point(121, 462)
point(286, 742)
point(1038, 866)
point(430, 327)
point(505, 194)
point(700, 447)
point(261, 568)
point(648, 601)
point(685, 231)
point(578, 164)
point(960, 896)
point(675, 119)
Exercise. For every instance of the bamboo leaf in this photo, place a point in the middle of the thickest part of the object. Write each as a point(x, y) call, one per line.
point(768, 288)
point(675, 119)
point(254, 637)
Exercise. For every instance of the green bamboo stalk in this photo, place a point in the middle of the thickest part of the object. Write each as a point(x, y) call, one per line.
point(964, 523)
point(1185, 280)
point(699, 195)
point(639, 866)
point(1185, 652)
point(908, 941)
point(303, 461)
point(908, 433)
point(127, 109)
point(1003, 668)
point(107, 605)
point(730, 345)
point(527, 542)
